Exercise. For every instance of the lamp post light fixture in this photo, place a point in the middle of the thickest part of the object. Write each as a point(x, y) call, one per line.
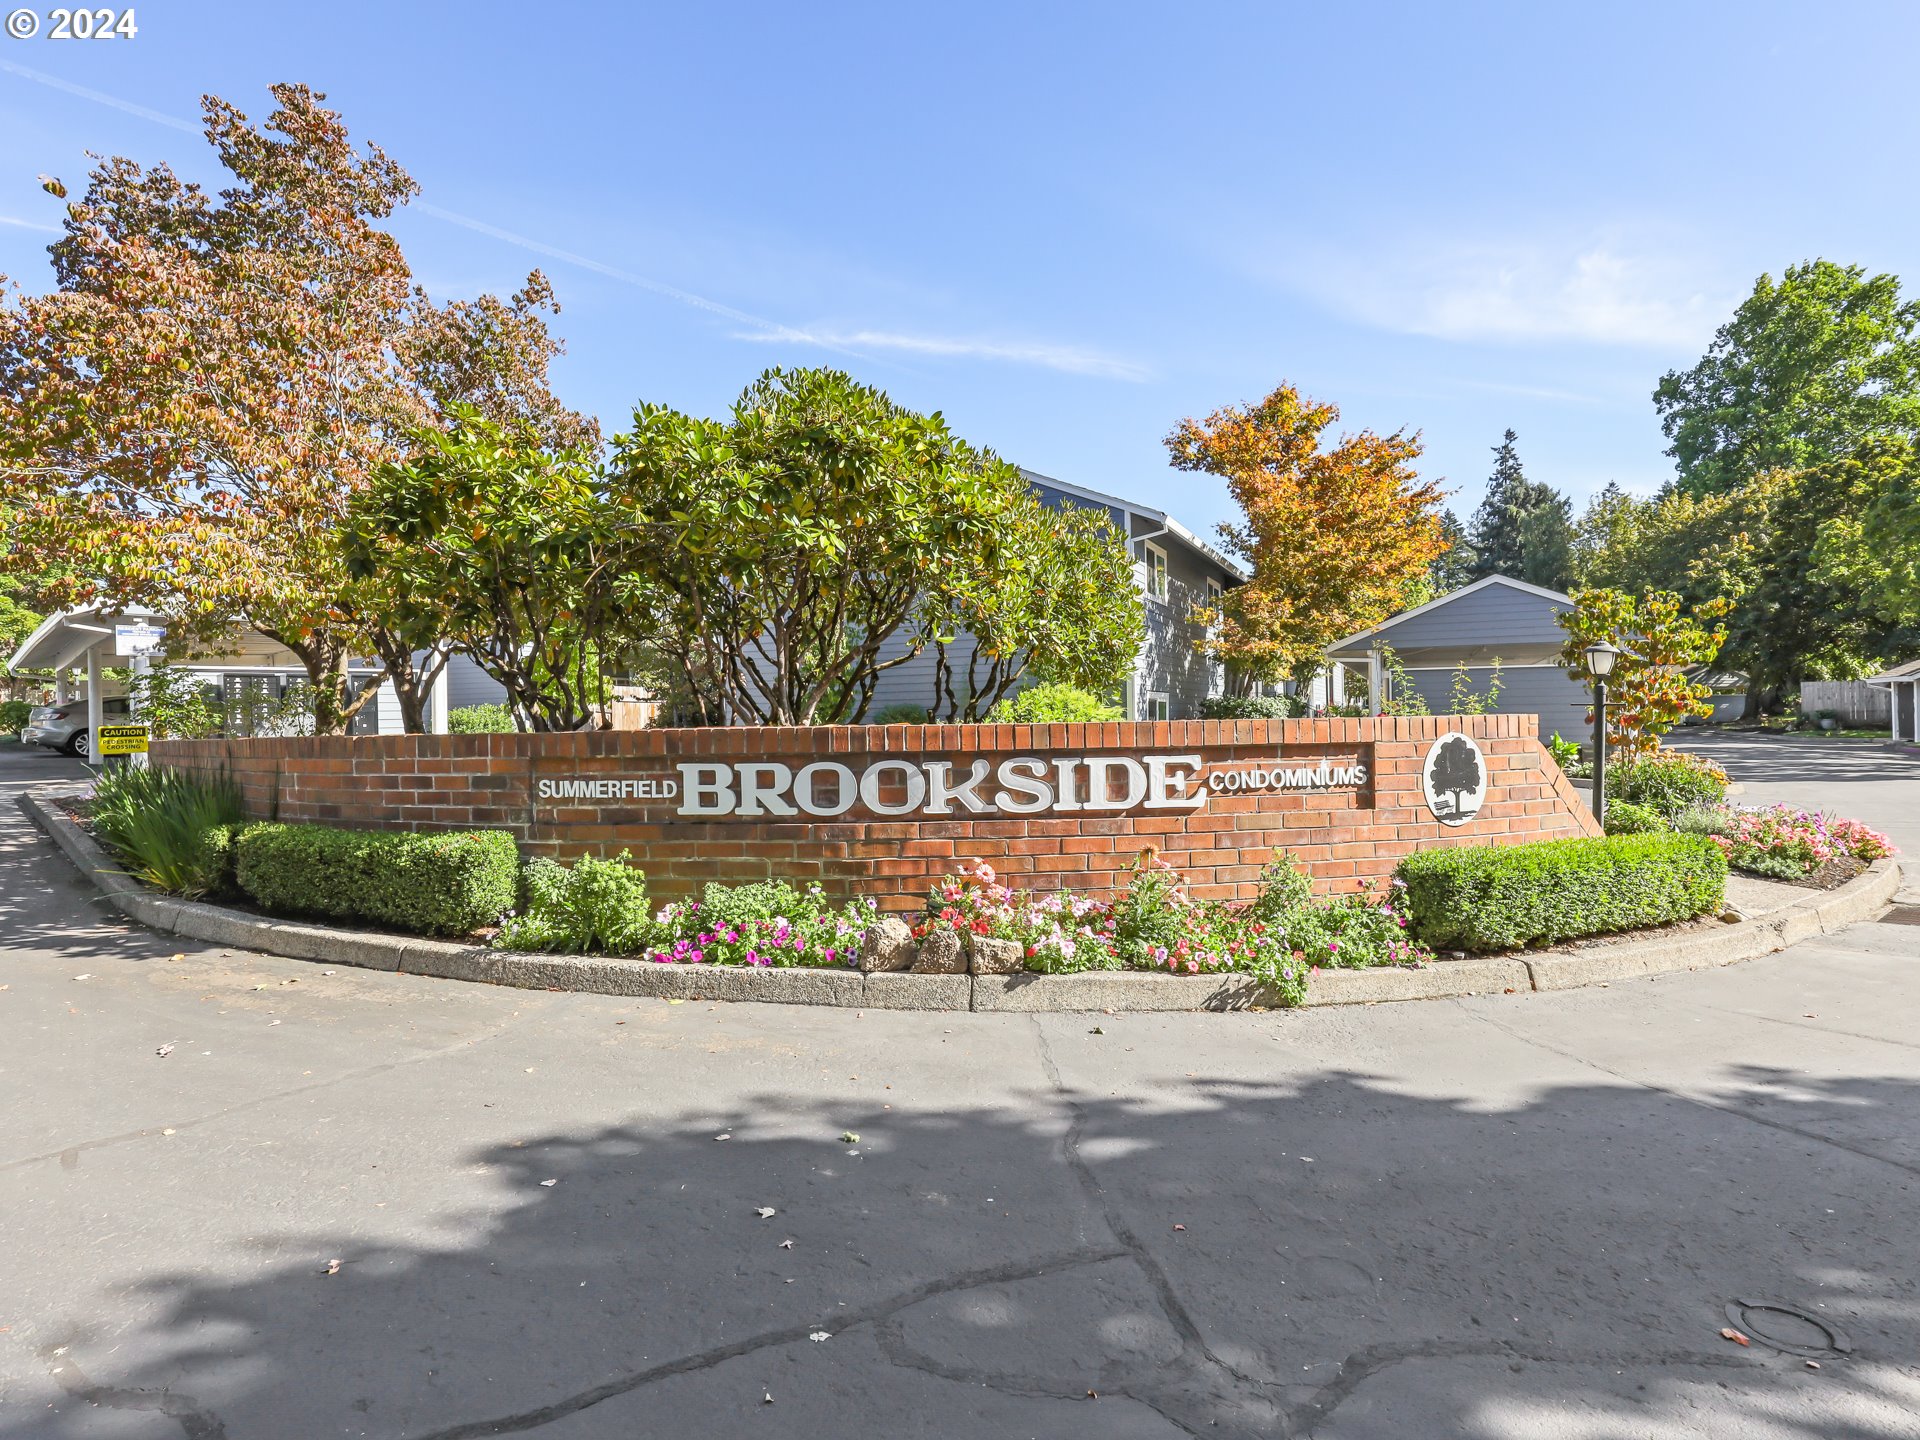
point(1600, 659)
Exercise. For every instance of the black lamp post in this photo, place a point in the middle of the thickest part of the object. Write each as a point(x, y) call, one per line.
point(1600, 658)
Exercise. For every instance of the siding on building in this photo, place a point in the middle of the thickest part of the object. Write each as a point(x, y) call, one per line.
point(1546, 691)
point(468, 684)
point(1171, 662)
point(1497, 620)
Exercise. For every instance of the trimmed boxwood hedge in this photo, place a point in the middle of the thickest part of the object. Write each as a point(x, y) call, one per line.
point(441, 884)
point(1504, 896)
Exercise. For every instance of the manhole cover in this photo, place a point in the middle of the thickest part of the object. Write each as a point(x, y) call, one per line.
point(1790, 1331)
point(1902, 915)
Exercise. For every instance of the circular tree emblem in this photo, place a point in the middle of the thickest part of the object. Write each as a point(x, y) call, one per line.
point(1454, 777)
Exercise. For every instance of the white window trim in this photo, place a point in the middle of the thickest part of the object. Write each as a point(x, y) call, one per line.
point(1149, 700)
point(1166, 576)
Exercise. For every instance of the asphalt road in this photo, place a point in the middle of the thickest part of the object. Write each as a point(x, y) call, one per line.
point(1519, 1216)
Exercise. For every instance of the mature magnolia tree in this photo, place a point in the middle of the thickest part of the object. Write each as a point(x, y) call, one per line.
point(506, 549)
point(189, 413)
point(1335, 537)
point(780, 548)
point(1060, 605)
point(1805, 371)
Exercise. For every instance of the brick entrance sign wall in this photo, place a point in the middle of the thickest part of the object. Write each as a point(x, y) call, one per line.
point(884, 809)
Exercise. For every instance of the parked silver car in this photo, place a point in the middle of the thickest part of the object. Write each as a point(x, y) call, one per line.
point(64, 727)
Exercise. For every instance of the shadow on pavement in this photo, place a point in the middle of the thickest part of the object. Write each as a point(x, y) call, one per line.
point(1236, 1260)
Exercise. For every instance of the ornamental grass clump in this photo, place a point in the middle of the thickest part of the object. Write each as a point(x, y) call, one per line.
point(174, 830)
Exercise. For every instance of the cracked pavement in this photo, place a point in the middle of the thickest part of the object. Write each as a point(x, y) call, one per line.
point(1517, 1216)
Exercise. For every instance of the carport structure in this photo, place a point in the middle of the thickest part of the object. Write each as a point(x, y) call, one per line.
point(85, 639)
point(89, 639)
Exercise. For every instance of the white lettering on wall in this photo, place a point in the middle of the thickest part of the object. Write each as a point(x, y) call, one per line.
point(1019, 785)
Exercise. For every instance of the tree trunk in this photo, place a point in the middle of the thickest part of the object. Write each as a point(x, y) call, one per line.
point(325, 657)
point(413, 681)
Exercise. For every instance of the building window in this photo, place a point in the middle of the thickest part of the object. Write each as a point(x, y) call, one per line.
point(1153, 706)
point(1213, 603)
point(1156, 571)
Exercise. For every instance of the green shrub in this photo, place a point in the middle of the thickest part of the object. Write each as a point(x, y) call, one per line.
point(1252, 707)
point(901, 715)
point(1668, 781)
point(13, 716)
point(1566, 753)
point(1504, 896)
point(174, 829)
point(445, 884)
point(1053, 705)
point(1626, 818)
point(597, 905)
point(480, 720)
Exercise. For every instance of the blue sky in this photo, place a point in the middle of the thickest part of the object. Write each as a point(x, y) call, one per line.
point(1069, 226)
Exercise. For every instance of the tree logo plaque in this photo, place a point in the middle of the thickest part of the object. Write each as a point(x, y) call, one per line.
point(1454, 777)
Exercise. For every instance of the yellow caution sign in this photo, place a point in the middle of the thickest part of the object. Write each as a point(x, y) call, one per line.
point(124, 739)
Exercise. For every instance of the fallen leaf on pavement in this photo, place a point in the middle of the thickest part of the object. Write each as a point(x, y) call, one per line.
point(333, 1267)
point(786, 1244)
point(164, 1050)
point(1729, 1333)
point(766, 1212)
point(727, 1136)
point(848, 1137)
point(548, 1184)
point(819, 1335)
point(1179, 1227)
point(87, 976)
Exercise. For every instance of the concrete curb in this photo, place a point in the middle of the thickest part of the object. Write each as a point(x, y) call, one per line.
point(1823, 913)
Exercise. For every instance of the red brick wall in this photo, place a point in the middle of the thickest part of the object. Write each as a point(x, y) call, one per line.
point(1345, 836)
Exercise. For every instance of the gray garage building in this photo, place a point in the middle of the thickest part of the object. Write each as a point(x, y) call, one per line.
point(1495, 619)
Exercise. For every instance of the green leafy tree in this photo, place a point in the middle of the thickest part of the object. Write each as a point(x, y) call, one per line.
point(1806, 370)
point(1871, 549)
point(780, 548)
point(1062, 606)
point(509, 551)
point(1755, 546)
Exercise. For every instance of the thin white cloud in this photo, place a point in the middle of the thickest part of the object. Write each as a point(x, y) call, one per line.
point(29, 225)
point(54, 82)
point(1071, 359)
point(1648, 293)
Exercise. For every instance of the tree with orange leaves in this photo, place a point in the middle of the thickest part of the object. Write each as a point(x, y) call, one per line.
point(185, 417)
point(1334, 537)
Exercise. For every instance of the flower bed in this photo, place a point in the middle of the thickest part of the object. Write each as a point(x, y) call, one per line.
point(601, 906)
point(1783, 843)
point(1154, 923)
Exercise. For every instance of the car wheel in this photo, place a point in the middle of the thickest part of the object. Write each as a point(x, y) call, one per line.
point(79, 745)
